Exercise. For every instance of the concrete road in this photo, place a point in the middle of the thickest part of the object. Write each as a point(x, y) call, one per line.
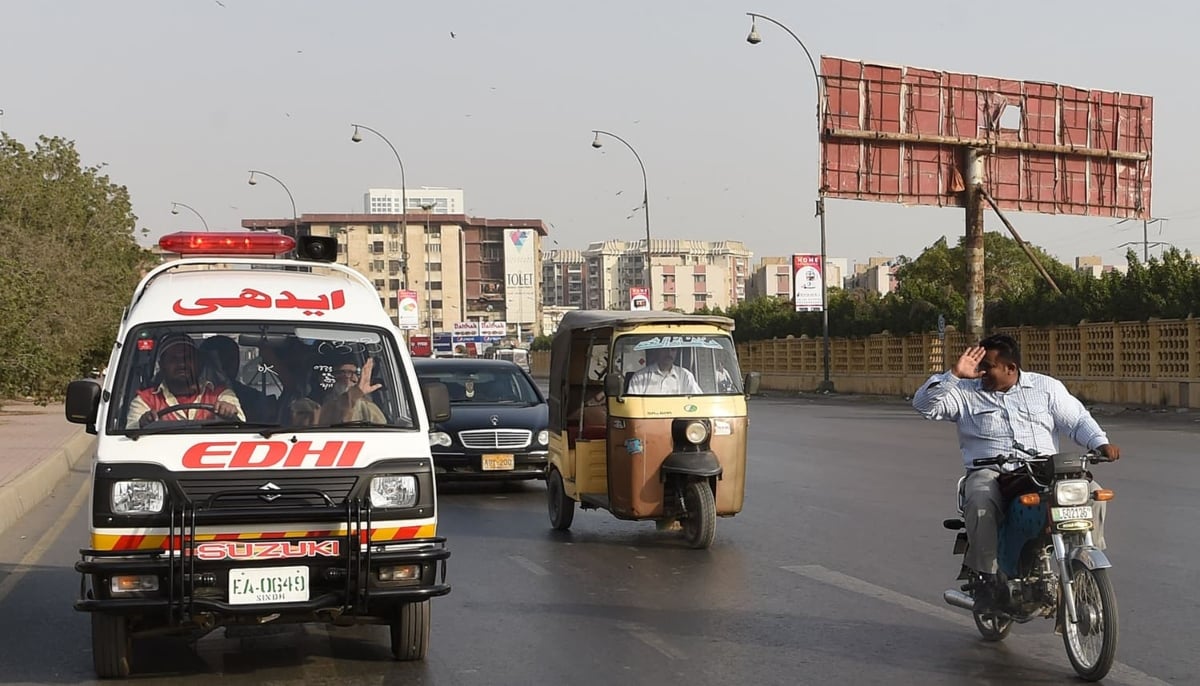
point(834, 571)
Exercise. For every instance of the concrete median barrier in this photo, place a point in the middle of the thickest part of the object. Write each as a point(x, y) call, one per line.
point(24, 491)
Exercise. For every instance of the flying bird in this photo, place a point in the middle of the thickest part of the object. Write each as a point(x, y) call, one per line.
point(219, 3)
point(620, 192)
point(452, 35)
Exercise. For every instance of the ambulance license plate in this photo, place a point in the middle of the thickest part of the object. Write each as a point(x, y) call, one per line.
point(252, 586)
point(498, 462)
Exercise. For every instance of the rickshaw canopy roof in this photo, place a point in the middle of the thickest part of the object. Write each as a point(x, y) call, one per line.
point(586, 320)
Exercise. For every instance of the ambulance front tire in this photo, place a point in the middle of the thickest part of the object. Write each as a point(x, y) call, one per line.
point(112, 646)
point(410, 631)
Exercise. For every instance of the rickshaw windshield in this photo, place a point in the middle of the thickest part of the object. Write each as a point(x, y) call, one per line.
point(692, 364)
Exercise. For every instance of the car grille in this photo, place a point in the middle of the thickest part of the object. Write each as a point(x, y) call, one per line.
point(337, 487)
point(484, 439)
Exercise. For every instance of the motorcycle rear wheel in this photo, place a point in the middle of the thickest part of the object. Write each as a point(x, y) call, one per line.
point(1092, 641)
point(992, 627)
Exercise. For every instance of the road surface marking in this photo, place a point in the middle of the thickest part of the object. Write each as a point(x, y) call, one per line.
point(1036, 648)
point(529, 565)
point(647, 636)
point(48, 539)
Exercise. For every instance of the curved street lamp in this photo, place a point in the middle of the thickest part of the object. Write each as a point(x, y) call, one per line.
point(357, 138)
point(175, 210)
point(295, 218)
point(755, 39)
point(645, 203)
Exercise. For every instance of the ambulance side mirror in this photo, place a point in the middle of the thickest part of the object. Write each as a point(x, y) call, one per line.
point(437, 401)
point(83, 401)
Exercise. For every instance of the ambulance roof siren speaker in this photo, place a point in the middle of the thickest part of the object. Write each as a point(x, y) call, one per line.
point(317, 248)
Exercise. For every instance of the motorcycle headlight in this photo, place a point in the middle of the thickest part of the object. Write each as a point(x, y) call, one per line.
point(543, 437)
point(696, 432)
point(1072, 492)
point(138, 496)
point(439, 438)
point(393, 491)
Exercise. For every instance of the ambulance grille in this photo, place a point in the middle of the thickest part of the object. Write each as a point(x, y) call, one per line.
point(337, 487)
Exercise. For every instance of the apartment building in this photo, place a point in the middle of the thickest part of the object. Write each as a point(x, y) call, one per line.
point(391, 200)
point(462, 268)
point(563, 276)
point(771, 278)
point(684, 274)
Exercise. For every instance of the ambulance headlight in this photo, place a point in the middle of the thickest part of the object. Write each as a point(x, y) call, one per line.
point(441, 438)
point(138, 496)
point(393, 491)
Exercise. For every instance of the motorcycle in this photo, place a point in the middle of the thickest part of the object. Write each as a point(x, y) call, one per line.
point(1048, 563)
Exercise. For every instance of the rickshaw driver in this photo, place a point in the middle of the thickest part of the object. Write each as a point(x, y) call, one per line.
point(661, 376)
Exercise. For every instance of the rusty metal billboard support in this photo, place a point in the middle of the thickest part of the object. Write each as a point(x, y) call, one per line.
point(973, 166)
point(1021, 242)
point(826, 385)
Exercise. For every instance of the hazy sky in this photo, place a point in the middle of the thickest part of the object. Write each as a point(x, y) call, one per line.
point(180, 99)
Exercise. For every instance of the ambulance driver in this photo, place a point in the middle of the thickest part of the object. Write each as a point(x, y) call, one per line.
point(179, 370)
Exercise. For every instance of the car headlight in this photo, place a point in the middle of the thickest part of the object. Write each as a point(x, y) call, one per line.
point(696, 432)
point(393, 491)
point(138, 496)
point(543, 437)
point(1073, 492)
point(439, 438)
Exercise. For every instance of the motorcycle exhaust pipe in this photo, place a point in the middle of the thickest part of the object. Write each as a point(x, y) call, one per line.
point(959, 599)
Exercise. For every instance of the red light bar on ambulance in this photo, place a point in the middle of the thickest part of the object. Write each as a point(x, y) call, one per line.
point(227, 243)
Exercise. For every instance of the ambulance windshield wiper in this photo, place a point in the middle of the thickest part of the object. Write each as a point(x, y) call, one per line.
point(185, 425)
point(300, 428)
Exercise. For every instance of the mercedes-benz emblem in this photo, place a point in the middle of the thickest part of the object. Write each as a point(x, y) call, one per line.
point(269, 496)
point(495, 420)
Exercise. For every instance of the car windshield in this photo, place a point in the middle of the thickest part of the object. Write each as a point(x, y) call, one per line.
point(258, 377)
point(471, 384)
point(677, 364)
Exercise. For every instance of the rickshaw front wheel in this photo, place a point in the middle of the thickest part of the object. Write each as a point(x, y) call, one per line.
point(700, 520)
point(560, 505)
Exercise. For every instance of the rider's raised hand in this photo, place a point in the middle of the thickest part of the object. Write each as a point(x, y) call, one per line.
point(364, 379)
point(967, 366)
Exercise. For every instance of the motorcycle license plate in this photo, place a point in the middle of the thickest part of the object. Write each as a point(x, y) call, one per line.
point(1062, 514)
point(268, 585)
point(498, 462)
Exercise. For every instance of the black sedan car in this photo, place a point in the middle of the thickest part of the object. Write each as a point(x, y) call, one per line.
point(498, 420)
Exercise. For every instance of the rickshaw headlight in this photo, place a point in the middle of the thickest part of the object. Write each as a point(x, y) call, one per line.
point(1073, 492)
point(543, 437)
point(696, 432)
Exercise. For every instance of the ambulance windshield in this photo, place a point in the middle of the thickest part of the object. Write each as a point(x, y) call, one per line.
point(259, 377)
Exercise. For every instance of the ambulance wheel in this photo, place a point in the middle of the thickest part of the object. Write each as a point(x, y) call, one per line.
point(410, 631)
point(559, 504)
point(112, 646)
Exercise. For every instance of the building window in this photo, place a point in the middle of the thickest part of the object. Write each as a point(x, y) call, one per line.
point(377, 228)
point(434, 285)
point(377, 247)
point(393, 267)
point(379, 283)
point(436, 304)
point(392, 304)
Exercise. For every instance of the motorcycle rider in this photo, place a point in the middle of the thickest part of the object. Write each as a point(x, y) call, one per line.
point(996, 404)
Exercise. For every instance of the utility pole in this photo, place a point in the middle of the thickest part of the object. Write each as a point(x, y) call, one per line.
point(1146, 244)
point(973, 165)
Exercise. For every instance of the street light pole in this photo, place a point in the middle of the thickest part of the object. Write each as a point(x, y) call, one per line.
point(826, 385)
point(645, 204)
point(403, 198)
point(175, 210)
point(428, 207)
point(295, 217)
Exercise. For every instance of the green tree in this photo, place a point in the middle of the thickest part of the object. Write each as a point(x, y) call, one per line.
point(68, 263)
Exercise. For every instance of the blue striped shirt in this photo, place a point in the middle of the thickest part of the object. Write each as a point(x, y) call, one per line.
point(1032, 412)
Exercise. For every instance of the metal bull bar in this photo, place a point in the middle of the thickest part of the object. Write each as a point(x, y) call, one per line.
point(178, 561)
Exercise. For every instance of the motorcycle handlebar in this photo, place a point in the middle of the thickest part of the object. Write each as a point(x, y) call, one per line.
point(1091, 456)
point(989, 461)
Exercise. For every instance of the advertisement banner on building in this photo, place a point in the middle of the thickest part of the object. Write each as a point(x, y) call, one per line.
point(408, 316)
point(466, 328)
point(808, 283)
point(520, 266)
point(493, 329)
point(639, 298)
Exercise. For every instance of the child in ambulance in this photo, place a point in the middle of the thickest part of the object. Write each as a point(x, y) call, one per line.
point(179, 369)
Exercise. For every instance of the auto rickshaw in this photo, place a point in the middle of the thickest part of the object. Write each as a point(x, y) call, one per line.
point(647, 420)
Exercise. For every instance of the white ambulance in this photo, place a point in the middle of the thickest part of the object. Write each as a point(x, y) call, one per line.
point(262, 453)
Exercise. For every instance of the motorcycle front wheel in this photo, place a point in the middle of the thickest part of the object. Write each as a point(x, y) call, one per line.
point(1091, 642)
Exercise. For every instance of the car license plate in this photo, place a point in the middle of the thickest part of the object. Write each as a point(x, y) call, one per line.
point(497, 462)
point(268, 585)
point(1062, 514)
